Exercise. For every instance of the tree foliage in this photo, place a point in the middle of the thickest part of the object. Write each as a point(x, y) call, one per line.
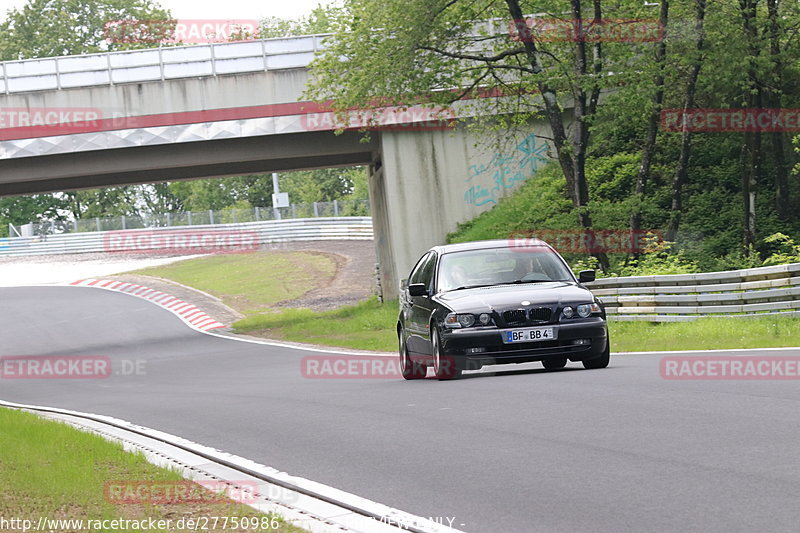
point(320, 20)
point(48, 28)
point(716, 55)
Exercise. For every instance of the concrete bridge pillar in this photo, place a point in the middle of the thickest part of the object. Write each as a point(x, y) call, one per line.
point(424, 183)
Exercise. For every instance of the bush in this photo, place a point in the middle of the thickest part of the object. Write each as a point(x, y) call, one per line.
point(659, 258)
point(787, 250)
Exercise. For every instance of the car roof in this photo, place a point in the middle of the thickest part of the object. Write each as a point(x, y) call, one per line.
point(486, 245)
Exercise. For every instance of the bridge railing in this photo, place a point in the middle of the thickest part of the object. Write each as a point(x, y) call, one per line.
point(773, 290)
point(163, 63)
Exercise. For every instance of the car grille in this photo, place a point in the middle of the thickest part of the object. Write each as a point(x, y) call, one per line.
point(514, 316)
point(540, 314)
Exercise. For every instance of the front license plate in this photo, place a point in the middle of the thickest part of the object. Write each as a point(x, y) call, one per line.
point(529, 335)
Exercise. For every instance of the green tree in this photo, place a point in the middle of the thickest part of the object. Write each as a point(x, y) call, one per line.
point(47, 28)
point(320, 185)
point(101, 203)
point(423, 51)
point(320, 20)
point(24, 209)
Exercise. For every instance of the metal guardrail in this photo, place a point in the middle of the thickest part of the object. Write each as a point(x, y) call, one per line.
point(754, 292)
point(336, 208)
point(163, 63)
point(272, 231)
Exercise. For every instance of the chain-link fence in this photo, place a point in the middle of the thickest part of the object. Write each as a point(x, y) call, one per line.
point(201, 218)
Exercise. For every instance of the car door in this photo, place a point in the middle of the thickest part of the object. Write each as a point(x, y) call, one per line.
point(407, 306)
point(422, 307)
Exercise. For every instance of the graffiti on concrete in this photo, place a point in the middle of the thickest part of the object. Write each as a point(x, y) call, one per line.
point(504, 171)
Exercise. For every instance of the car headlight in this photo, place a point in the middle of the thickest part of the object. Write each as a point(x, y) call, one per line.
point(568, 312)
point(464, 320)
point(454, 320)
point(451, 321)
point(586, 310)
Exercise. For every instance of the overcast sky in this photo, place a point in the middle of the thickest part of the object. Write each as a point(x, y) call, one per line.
point(222, 9)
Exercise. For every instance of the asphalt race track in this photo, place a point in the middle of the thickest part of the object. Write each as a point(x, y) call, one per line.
point(612, 450)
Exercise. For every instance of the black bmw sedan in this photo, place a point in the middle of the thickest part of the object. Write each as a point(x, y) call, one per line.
point(496, 302)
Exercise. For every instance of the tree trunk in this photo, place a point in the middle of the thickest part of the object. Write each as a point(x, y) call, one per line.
point(782, 199)
point(682, 172)
point(750, 166)
point(649, 147)
point(751, 154)
point(571, 152)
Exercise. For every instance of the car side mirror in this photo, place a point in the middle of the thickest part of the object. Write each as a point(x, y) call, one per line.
point(417, 289)
point(585, 276)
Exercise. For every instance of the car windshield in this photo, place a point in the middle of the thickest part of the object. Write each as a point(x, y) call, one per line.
point(495, 266)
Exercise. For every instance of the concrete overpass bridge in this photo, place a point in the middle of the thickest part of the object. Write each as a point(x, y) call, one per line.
point(236, 108)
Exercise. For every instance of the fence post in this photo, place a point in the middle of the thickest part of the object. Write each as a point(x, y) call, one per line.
point(211, 216)
point(169, 219)
point(75, 225)
point(97, 223)
point(233, 211)
point(258, 214)
point(316, 210)
point(190, 217)
point(124, 224)
point(336, 208)
point(294, 211)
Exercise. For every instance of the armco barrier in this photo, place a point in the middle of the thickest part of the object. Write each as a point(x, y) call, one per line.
point(271, 231)
point(773, 290)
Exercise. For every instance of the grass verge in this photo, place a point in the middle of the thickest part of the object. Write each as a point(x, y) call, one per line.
point(371, 326)
point(251, 283)
point(705, 334)
point(368, 325)
point(51, 470)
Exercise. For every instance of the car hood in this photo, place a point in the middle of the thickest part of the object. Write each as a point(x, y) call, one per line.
point(512, 296)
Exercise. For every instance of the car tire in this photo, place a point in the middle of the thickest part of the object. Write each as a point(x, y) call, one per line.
point(554, 363)
point(444, 366)
point(409, 368)
point(599, 362)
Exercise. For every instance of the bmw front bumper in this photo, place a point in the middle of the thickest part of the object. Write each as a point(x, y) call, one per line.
point(578, 340)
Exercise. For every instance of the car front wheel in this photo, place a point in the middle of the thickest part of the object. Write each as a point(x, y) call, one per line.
point(444, 366)
point(599, 362)
point(408, 368)
point(554, 363)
